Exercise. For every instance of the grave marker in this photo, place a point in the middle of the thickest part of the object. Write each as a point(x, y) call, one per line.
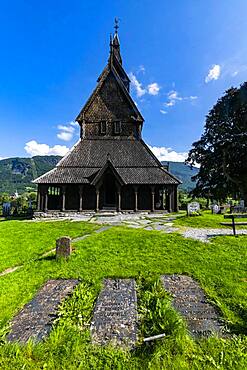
point(63, 247)
point(215, 208)
point(193, 207)
point(189, 299)
point(115, 314)
point(35, 319)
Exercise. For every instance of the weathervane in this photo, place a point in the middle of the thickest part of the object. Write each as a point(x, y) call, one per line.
point(116, 24)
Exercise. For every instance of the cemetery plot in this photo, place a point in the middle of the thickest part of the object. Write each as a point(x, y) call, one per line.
point(115, 314)
point(35, 319)
point(190, 300)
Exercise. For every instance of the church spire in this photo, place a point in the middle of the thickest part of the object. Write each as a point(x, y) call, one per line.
point(115, 43)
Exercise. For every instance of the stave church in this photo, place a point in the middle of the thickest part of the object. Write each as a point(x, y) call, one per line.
point(110, 167)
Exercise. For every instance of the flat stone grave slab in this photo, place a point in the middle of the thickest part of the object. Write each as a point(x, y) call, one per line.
point(35, 319)
point(115, 314)
point(189, 299)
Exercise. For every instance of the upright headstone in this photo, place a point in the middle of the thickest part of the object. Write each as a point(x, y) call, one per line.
point(6, 209)
point(63, 247)
point(193, 207)
point(215, 208)
point(242, 206)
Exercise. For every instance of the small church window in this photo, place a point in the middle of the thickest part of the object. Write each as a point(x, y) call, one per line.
point(103, 127)
point(117, 127)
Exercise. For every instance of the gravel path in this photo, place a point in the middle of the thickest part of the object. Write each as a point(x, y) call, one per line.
point(205, 234)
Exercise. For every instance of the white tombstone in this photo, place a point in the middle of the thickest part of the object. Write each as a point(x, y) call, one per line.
point(193, 207)
point(241, 203)
point(215, 208)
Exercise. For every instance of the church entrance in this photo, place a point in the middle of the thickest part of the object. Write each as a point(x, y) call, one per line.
point(109, 191)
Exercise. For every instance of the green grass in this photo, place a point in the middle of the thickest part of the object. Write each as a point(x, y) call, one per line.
point(21, 241)
point(219, 266)
point(206, 220)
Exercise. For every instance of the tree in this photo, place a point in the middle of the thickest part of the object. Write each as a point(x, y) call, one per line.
point(222, 150)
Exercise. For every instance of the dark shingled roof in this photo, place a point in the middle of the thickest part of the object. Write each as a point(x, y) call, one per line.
point(132, 159)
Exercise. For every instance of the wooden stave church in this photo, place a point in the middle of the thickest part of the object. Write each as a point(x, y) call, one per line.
point(110, 167)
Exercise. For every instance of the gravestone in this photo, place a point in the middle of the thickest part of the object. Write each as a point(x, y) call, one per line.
point(35, 319)
point(63, 247)
point(189, 299)
point(115, 314)
point(215, 208)
point(193, 207)
point(6, 209)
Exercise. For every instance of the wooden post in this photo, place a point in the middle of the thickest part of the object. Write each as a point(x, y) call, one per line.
point(176, 199)
point(80, 194)
point(41, 201)
point(152, 195)
point(97, 200)
point(162, 198)
point(119, 200)
point(168, 200)
point(63, 198)
point(233, 225)
point(38, 200)
point(136, 198)
point(172, 208)
point(46, 200)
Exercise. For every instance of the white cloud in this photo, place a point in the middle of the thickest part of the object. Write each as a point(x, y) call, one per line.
point(65, 136)
point(173, 97)
point(153, 88)
point(213, 73)
point(66, 131)
point(170, 103)
point(141, 69)
point(163, 111)
point(140, 91)
point(1, 158)
point(34, 148)
point(75, 124)
point(167, 154)
point(66, 128)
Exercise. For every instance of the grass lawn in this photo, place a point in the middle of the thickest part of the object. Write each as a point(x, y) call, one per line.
point(206, 220)
point(219, 266)
point(22, 241)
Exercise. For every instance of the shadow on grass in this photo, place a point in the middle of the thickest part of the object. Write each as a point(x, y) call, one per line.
point(49, 257)
point(16, 218)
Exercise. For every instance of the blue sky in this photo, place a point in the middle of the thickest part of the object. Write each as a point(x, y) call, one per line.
point(181, 56)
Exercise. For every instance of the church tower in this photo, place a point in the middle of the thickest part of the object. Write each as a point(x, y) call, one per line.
point(110, 110)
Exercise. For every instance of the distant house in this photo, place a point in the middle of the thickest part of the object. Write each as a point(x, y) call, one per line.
point(110, 167)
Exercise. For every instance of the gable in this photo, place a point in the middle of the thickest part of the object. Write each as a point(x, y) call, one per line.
point(109, 103)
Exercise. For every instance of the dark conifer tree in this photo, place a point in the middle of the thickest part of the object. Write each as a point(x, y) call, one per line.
point(222, 150)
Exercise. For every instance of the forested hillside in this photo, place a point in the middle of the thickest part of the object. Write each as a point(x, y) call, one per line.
point(17, 173)
point(184, 173)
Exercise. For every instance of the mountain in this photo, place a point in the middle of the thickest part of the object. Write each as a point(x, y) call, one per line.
point(184, 173)
point(17, 173)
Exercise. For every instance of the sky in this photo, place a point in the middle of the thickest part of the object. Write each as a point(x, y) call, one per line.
point(180, 55)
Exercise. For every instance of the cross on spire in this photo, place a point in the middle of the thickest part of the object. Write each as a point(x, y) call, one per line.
point(116, 25)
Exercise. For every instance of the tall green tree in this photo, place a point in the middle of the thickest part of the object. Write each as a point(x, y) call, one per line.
point(221, 151)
